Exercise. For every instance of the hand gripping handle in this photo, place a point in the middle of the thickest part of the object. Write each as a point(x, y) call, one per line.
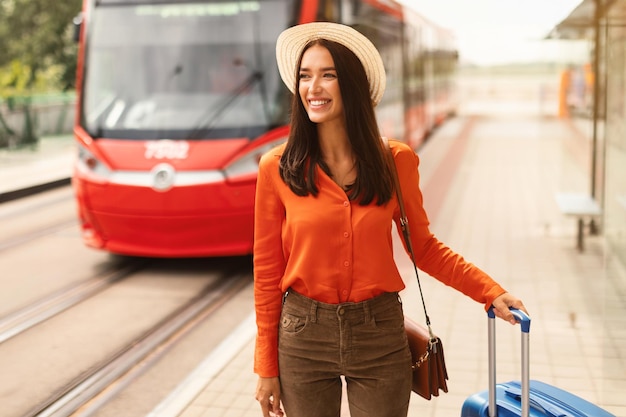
point(524, 321)
point(522, 318)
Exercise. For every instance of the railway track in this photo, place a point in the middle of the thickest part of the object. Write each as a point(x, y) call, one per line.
point(25, 318)
point(90, 391)
point(25, 221)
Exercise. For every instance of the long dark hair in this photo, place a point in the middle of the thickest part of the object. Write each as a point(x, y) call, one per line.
point(302, 153)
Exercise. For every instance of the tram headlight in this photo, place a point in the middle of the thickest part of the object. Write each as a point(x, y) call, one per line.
point(248, 164)
point(90, 165)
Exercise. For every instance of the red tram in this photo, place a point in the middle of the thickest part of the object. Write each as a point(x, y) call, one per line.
point(177, 100)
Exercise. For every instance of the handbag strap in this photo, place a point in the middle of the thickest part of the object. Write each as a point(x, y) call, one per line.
point(404, 225)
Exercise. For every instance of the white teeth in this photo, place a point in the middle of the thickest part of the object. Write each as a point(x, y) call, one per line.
point(318, 102)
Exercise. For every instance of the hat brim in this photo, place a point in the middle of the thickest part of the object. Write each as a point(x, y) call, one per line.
point(292, 41)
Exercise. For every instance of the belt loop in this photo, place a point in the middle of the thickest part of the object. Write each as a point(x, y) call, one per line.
point(313, 312)
point(367, 311)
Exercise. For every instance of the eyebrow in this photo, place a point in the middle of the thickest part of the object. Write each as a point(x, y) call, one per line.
point(322, 69)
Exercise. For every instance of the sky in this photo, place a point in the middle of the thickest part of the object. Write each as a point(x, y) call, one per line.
point(491, 32)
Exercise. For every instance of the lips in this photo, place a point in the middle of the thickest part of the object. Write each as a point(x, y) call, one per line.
point(318, 103)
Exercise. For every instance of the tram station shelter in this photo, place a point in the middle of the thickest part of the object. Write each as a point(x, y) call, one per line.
point(603, 24)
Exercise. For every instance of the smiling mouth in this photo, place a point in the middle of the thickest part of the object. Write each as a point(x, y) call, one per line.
point(318, 102)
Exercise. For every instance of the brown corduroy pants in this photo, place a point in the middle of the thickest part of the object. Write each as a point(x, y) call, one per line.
point(365, 342)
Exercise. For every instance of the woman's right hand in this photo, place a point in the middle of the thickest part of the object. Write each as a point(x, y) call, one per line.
point(268, 395)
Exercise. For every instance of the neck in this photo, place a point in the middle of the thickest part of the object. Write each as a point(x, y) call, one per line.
point(334, 143)
point(338, 156)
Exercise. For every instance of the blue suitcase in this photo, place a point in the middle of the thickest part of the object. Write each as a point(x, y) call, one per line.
point(526, 398)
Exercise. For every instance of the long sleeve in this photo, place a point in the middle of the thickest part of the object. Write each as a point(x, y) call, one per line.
point(269, 267)
point(433, 256)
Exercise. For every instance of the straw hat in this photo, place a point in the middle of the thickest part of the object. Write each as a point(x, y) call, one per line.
point(292, 41)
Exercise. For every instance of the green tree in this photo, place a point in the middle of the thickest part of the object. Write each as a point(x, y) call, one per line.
point(36, 36)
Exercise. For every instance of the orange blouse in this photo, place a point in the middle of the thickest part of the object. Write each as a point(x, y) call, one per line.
point(333, 250)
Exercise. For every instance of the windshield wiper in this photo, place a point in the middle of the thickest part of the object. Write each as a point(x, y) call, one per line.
point(252, 79)
point(255, 77)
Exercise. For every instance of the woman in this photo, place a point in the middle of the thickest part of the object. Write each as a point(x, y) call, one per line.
point(326, 285)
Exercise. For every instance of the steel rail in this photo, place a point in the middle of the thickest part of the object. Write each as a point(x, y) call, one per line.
point(30, 236)
point(90, 391)
point(23, 319)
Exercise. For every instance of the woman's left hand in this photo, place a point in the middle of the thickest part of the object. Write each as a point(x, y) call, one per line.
point(501, 307)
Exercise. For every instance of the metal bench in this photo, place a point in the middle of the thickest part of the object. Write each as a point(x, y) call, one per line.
point(584, 208)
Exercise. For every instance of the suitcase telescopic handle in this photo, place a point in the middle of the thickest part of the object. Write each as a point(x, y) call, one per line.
point(524, 321)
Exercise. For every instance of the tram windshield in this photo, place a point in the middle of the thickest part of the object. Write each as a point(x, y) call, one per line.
point(184, 70)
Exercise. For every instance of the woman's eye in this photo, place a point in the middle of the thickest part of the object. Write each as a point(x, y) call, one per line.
point(305, 76)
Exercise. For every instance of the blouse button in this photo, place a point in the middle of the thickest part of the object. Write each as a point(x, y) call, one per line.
point(346, 204)
point(346, 234)
point(346, 263)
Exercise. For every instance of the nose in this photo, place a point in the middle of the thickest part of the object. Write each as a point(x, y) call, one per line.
point(316, 84)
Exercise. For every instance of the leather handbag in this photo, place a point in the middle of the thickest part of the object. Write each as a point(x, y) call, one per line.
point(428, 362)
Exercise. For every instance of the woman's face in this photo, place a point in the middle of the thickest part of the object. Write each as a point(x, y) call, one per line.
point(319, 87)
